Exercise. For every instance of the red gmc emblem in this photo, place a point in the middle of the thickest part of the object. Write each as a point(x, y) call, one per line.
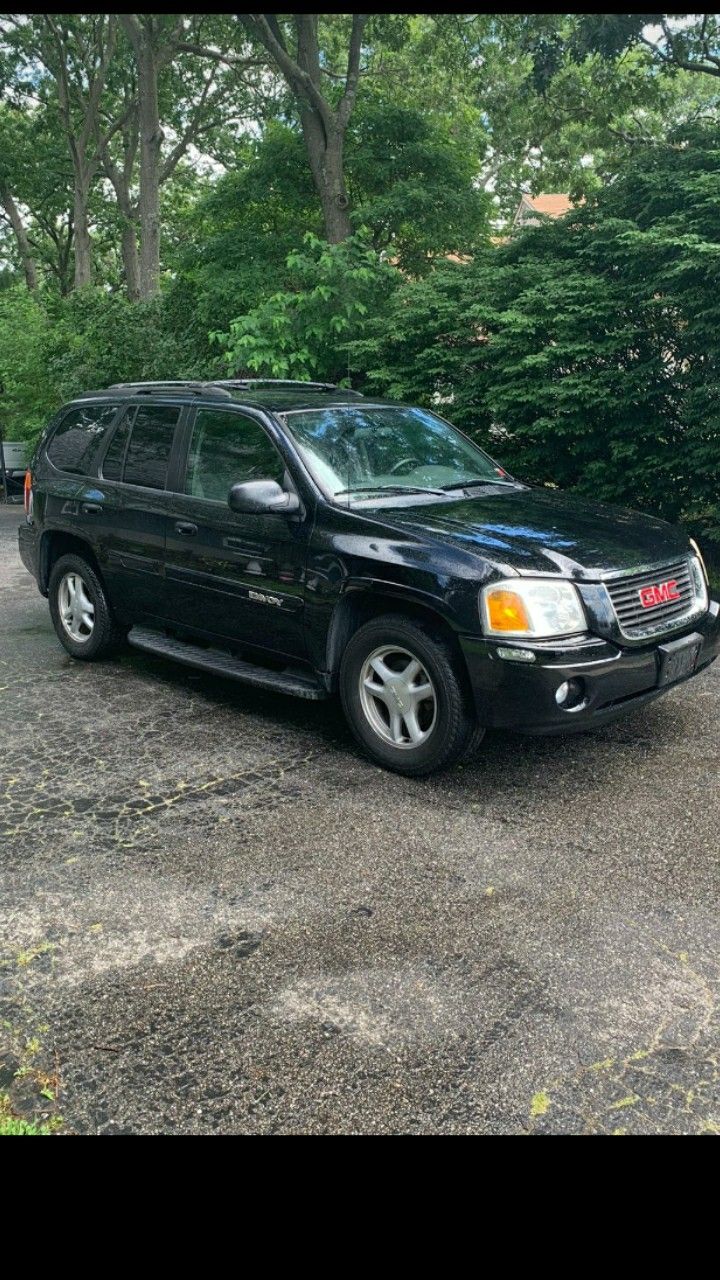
point(651, 597)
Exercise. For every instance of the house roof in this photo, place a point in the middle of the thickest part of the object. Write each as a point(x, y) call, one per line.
point(552, 205)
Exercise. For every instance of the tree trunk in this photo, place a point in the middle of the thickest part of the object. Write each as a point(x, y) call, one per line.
point(23, 244)
point(83, 242)
point(131, 260)
point(325, 154)
point(151, 137)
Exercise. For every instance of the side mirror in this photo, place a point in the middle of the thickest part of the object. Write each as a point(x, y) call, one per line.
point(262, 497)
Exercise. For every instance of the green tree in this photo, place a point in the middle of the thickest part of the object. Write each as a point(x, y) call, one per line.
point(584, 352)
point(294, 48)
point(303, 331)
point(29, 391)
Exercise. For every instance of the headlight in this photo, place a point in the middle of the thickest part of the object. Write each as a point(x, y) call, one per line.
point(698, 573)
point(699, 555)
point(531, 607)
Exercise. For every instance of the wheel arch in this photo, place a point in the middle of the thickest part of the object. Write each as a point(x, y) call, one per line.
point(358, 605)
point(56, 543)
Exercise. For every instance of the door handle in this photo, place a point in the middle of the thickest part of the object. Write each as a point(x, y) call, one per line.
point(185, 528)
point(91, 508)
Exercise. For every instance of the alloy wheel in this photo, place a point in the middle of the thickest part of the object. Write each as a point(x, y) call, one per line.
point(398, 697)
point(77, 611)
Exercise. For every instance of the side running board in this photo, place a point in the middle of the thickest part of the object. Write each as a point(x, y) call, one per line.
point(297, 683)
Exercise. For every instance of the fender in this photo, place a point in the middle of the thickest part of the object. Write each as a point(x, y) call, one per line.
point(365, 597)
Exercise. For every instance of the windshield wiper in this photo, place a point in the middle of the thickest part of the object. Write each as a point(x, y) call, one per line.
point(389, 488)
point(469, 484)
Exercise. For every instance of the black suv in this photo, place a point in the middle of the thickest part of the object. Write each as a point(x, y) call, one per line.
point(303, 538)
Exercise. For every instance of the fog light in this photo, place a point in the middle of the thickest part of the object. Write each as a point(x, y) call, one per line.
point(570, 694)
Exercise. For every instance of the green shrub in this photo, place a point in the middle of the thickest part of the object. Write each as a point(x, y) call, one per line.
point(584, 352)
point(29, 390)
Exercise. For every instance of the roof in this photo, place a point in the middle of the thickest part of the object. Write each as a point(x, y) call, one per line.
point(274, 395)
point(552, 205)
point(532, 209)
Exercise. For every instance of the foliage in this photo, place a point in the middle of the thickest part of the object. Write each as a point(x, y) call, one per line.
point(101, 338)
point(412, 178)
point(584, 351)
point(233, 242)
point(29, 391)
point(90, 339)
point(302, 331)
point(14, 1127)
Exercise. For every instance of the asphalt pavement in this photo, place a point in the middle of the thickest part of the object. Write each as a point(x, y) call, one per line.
point(217, 917)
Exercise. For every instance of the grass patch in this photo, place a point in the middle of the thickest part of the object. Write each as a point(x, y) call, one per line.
point(13, 1126)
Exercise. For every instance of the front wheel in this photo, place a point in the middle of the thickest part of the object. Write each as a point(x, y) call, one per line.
point(404, 697)
point(80, 609)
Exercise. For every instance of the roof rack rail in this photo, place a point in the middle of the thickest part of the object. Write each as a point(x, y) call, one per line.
point(193, 385)
point(224, 386)
point(275, 382)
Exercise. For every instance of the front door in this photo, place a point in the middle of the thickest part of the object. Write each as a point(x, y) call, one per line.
point(237, 577)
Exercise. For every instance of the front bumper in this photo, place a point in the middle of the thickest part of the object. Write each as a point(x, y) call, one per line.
point(521, 695)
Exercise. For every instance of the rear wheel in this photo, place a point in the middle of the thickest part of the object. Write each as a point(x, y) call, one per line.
point(80, 609)
point(404, 696)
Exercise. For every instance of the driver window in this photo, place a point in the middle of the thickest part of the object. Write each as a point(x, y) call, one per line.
point(227, 449)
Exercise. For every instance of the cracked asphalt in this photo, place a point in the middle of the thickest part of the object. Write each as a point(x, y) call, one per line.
point(216, 917)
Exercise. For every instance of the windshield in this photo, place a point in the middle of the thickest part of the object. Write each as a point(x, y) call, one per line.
point(356, 451)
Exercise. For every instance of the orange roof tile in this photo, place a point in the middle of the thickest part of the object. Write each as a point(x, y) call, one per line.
point(553, 206)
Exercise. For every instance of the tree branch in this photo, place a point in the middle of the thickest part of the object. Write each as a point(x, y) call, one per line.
point(299, 81)
point(191, 131)
point(133, 30)
point(347, 102)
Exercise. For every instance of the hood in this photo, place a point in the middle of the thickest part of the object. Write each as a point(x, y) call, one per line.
point(544, 531)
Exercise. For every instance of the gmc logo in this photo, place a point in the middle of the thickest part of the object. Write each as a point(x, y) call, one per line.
point(650, 597)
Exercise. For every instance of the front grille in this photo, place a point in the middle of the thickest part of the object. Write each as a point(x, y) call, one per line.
point(636, 620)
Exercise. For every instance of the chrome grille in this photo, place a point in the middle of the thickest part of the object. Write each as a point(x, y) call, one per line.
point(635, 619)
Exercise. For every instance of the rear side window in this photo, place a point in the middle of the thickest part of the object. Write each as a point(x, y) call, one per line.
point(139, 451)
point(113, 462)
point(74, 443)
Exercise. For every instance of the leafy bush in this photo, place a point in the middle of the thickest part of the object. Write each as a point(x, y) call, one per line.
point(53, 349)
point(584, 351)
point(302, 332)
point(100, 338)
point(29, 390)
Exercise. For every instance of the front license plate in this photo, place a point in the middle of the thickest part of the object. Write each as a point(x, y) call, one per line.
point(678, 659)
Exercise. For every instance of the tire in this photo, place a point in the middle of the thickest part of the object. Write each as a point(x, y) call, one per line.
point(415, 723)
point(83, 621)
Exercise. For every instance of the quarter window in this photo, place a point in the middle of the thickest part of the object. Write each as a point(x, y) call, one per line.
point(227, 449)
point(74, 443)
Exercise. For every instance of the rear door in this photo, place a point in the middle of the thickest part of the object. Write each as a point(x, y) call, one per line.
point(67, 496)
point(237, 577)
point(133, 484)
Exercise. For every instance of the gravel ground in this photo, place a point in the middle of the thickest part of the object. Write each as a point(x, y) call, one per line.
point(216, 917)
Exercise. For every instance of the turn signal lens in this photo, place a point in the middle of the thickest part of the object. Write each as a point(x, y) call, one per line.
point(531, 607)
point(27, 493)
point(506, 611)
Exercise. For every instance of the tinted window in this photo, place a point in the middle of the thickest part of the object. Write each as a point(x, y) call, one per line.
point(73, 445)
point(227, 449)
point(148, 451)
point(112, 463)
